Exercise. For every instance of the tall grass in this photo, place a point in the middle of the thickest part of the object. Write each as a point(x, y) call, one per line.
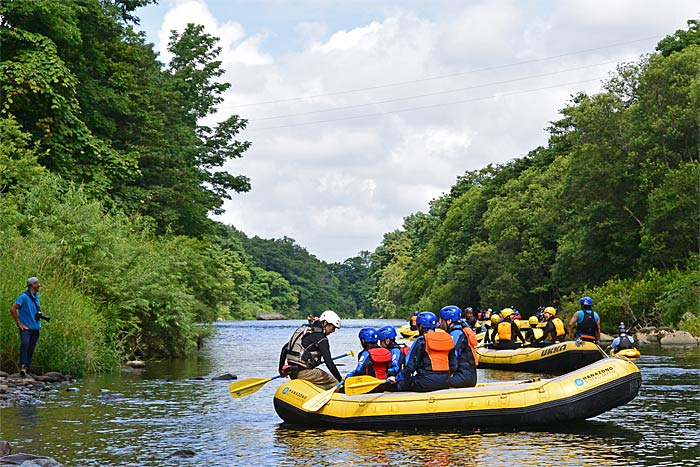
point(76, 340)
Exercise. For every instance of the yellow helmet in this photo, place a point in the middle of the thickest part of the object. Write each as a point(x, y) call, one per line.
point(533, 320)
point(495, 319)
point(506, 312)
point(551, 310)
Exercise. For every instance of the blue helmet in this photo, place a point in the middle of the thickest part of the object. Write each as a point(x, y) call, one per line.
point(451, 312)
point(586, 301)
point(427, 319)
point(369, 335)
point(387, 332)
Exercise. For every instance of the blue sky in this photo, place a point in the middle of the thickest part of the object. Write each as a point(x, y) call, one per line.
point(361, 112)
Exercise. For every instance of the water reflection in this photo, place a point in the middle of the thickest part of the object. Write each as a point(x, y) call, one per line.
point(441, 448)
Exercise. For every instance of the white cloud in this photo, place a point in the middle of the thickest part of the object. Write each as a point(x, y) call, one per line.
point(337, 187)
point(236, 46)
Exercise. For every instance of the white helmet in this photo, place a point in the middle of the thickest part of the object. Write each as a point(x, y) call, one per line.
point(330, 317)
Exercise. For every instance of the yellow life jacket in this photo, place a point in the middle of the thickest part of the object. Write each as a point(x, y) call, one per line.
point(559, 326)
point(505, 330)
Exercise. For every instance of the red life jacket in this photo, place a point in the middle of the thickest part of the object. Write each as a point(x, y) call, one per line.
point(381, 360)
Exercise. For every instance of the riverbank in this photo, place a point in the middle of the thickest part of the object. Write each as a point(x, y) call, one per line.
point(16, 390)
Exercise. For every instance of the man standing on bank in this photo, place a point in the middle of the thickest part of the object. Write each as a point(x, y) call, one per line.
point(26, 313)
point(308, 348)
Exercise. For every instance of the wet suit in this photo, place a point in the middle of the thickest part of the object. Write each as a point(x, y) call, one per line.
point(465, 375)
point(418, 374)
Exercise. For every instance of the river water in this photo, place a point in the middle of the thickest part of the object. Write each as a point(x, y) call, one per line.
point(141, 417)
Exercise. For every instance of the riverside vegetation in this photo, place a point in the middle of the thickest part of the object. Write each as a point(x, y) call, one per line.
point(107, 178)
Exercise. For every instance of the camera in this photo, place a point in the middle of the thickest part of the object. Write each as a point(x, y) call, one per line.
point(39, 315)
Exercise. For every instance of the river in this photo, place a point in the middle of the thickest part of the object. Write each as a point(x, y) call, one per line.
point(141, 417)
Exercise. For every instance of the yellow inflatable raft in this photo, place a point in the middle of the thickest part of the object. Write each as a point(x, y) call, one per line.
point(578, 395)
point(407, 333)
point(553, 359)
point(627, 353)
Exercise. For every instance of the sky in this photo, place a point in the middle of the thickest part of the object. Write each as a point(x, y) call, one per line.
point(360, 112)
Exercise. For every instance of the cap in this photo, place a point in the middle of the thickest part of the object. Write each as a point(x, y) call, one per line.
point(31, 281)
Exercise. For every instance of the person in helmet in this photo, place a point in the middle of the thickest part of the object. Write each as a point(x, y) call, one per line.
point(508, 332)
point(373, 360)
point(414, 316)
point(586, 321)
point(431, 360)
point(516, 313)
point(308, 348)
point(387, 339)
point(469, 317)
point(554, 327)
point(492, 329)
point(533, 333)
point(623, 340)
point(464, 341)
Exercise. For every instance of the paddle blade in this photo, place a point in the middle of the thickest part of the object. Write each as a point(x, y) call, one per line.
point(319, 400)
point(361, 384)
point(247, 386)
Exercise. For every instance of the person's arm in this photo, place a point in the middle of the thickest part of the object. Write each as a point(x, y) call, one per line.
point(412, 360)
point(516, 333)
point(325, 349)
point(362, 363)
point(14, 311)
point(597, 331)
point(452, 359)
point(283, 359)
point(395, 362)
point(572, 323)
point(548, 329)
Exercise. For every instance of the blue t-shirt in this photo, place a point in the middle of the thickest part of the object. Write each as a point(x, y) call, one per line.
point(27, 310)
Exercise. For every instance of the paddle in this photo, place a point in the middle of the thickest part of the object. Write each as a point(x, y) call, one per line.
point(319, 400)
point(248, 386)
point(361, 384)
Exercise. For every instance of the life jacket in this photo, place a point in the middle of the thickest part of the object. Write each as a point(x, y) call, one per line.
point(437, 346)
point(587, 325)
point(381, 361)
point(472, 341)
point(297, 354)
point(505, 331)
point(414, 321)
point(559, 326)
point(624, 342)
point(537, 333)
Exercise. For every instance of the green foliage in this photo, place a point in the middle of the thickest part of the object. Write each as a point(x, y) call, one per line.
point(680, 300)
point(105, 113)
point(18, 156)
point(77, 339)
point(314, 281)
point(680, 39)
point(151, 290)
point(690, 323)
